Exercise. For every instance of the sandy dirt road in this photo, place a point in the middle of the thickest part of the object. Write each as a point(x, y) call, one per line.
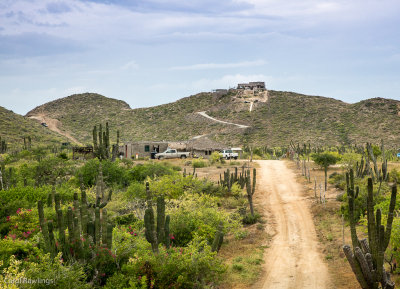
point(293, 259)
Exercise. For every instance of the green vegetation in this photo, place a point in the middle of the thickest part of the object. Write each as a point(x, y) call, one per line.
point(158, 229)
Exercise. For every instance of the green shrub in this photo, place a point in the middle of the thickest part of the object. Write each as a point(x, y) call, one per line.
point(21, 249)
point(141, 172)
point(249, 219)
point(192, 267)
point(215, 157)
point(21, 197)
point(58, 274)
point(113, 173)
point(199, 163)
point(24, 224)
point(200, 215)
point(338, 180)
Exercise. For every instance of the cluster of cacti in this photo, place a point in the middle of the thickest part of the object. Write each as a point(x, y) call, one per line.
point(363, 169)
point(156, 233)
point(230, 178)
point(250, 189)
point(86, 223)
point(101, 142)
point(367, 257)
point(218, 238)
point(3, 146)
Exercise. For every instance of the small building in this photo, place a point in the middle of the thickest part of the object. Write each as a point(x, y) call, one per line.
point(258, 85)
point(203, 147)
point(142, 149)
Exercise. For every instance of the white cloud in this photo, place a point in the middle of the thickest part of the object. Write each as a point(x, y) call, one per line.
point(208, 66)
point(130, 65)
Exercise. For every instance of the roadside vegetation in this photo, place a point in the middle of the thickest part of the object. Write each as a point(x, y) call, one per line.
point(97, 222)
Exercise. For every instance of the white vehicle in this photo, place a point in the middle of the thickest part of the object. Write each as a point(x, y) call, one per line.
point(228, 154)
point(172, 154)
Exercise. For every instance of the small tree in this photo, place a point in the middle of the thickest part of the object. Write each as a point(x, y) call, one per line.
point(324, 160)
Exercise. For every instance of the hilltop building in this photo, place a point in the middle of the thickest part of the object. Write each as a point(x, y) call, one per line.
point(252, 85)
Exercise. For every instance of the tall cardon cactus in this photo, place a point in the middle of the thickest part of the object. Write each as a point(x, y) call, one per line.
point(367, 257)
point(87, 224)
point(156, 232)
point(250, 189)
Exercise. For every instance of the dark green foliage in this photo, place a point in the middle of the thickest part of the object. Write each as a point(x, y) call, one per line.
point(367, 257)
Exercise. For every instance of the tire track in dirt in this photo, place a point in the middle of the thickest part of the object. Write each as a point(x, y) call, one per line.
point(293, 259)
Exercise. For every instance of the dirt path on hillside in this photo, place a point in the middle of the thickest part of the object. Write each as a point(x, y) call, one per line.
point(293, 259)
point(54, 124)
point(204, 113)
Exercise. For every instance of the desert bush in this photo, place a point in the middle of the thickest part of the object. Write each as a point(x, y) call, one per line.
point(249, 219)
point(57, 274)
point(194, 266)
point(338, 180)
point(215, 157)
point(200, 215)
point(20, 249)
point(113, 173)
point(199, 163)
point(140, 172)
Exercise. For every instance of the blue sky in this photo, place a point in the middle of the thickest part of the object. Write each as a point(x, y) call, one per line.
point(153, 52)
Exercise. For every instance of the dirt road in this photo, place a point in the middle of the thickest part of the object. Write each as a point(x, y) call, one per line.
point(54, 124)
point(204, 113)
point(292, 260)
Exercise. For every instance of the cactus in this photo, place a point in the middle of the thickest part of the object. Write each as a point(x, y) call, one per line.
point(82, 221)
point(218, 238)
point(250, 189)
point(367, 257)
point(3, 146)
point(156, 233)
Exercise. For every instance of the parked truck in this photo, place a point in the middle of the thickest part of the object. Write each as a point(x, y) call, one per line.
point(172, 154)
point(228, 154)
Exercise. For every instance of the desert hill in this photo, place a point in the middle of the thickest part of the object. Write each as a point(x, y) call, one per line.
point(14, 127)
point(275, 118)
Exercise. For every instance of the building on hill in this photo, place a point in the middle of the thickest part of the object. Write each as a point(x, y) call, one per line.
point(252, 85)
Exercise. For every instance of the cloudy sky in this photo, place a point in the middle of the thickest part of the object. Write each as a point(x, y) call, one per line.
point(149, 52)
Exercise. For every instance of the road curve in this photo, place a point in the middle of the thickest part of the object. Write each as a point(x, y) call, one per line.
point(203, 113)
point(292, 260)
